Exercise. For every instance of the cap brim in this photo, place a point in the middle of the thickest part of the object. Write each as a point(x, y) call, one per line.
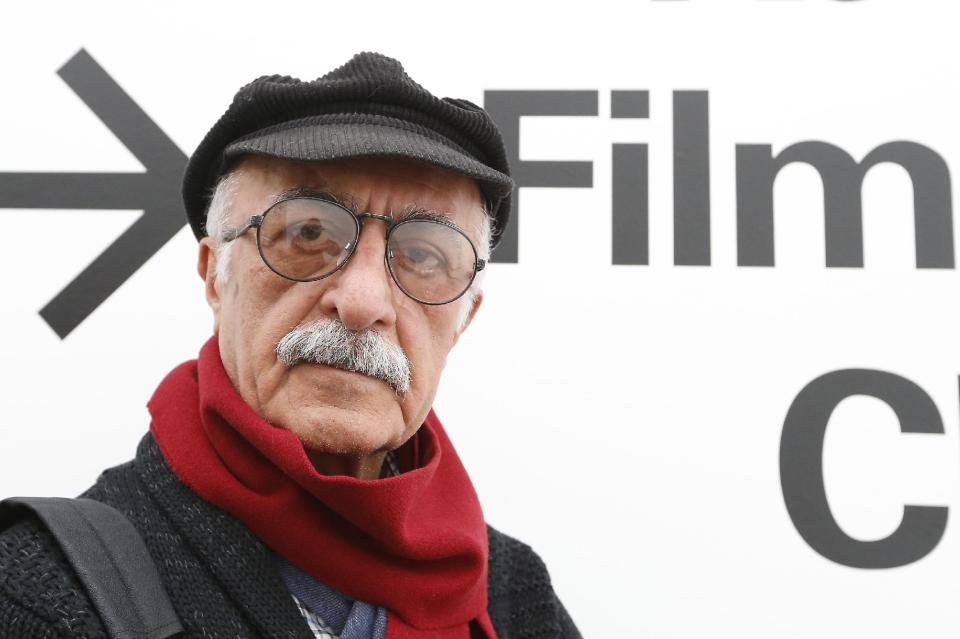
point(312, 141)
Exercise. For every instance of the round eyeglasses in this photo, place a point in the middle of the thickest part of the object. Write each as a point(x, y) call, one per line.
point(305, 239)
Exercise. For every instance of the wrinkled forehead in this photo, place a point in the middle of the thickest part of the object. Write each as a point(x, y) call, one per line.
point(378, 185)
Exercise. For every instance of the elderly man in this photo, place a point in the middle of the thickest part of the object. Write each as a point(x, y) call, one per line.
point(295, 481)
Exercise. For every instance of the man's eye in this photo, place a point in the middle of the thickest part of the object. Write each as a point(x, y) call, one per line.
point(308, 232)
point(310, 237)
point(420, 256)
point(423, 260)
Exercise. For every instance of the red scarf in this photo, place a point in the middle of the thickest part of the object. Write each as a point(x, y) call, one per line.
point(415, 543)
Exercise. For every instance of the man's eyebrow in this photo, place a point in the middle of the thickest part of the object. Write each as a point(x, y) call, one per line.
point(414, 212)
point(409, 212)
point(306, 191)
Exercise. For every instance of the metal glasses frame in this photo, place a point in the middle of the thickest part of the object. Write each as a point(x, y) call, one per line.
point(256, 221)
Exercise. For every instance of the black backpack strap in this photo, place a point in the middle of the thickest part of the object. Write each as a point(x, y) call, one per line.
point(111, 560)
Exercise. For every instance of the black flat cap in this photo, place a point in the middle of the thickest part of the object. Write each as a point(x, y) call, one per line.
point(369, 107)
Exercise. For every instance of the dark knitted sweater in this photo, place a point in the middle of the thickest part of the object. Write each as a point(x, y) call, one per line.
point(222, 581)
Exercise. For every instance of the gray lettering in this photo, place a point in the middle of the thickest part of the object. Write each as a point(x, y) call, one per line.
point(842, 178)
point(506, 108)
point(801, 469)
point(691, 178)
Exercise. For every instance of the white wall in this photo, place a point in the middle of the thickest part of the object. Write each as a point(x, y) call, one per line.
point(632, 415)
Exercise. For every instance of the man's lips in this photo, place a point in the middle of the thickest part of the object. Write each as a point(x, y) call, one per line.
point(348, 371)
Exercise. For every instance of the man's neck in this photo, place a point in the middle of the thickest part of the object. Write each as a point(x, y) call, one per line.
point(359, 466)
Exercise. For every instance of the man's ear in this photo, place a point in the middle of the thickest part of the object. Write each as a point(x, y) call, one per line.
point(477, 301)
point(207, 269)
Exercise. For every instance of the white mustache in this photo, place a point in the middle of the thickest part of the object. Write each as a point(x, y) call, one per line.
point(329, 342)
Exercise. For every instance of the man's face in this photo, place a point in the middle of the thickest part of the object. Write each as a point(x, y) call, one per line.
point(346, 420)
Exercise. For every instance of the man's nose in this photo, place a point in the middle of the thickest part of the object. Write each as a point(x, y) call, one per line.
point(360, 294)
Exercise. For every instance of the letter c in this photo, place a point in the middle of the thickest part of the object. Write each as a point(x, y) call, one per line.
point(801, 469)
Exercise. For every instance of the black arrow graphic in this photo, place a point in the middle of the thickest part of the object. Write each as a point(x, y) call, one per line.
point(157, 192)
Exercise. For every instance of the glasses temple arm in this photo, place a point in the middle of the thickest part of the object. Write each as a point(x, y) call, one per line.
point(231, 234)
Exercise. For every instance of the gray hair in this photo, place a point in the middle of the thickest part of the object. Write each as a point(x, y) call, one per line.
point(327, 341)
point(218, 223)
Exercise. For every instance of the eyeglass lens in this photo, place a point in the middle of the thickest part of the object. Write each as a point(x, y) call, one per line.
point(308, 239)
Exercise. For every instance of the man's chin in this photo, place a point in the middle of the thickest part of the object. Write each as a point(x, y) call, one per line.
point(347, 430)
point(338, 413)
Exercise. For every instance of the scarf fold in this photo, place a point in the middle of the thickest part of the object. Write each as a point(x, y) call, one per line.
point(415, 543)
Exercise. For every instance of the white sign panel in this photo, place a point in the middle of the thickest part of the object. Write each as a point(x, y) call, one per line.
point(714, 378)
